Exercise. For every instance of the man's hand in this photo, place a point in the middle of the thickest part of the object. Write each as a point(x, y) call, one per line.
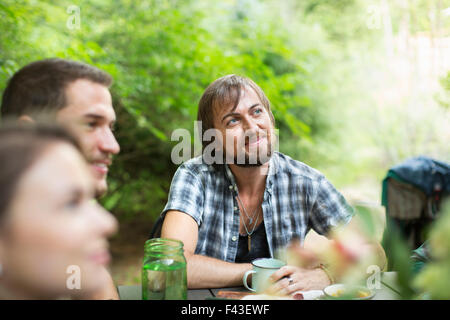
point(290, 279)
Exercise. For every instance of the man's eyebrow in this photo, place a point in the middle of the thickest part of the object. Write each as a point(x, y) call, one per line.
point(254, 105)
point(93, 115)
point(236, 114)
point(97, 117)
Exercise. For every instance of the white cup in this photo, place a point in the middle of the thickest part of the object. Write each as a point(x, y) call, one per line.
point(262, 270)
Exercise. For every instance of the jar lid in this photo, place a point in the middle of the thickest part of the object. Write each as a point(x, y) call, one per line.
point(163, 246)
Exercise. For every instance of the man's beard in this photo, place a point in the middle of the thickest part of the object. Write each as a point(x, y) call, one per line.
point(215, 152)
point(249, 165)
point(101, 187)
point(251, 162)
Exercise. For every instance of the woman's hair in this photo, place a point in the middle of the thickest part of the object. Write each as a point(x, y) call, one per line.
point(20, 147)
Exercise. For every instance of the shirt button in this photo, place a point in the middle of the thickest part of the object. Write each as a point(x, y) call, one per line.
point(230, 187)
point(234, 238)
point(235, 208)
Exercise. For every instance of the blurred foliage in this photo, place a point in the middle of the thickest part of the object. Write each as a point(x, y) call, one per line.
point(434, 279)
point(400, 255)
point(444, 96)
point(162, 55)
point(314, 59)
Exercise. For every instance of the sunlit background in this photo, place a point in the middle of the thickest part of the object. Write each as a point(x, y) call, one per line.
point(356, 86)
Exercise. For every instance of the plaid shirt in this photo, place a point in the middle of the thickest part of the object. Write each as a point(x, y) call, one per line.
point(296, 199)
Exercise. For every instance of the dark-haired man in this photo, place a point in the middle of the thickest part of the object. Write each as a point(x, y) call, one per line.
point(253, 203)
point(75, 95)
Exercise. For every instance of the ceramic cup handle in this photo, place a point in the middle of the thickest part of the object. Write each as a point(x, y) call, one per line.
point(247, 273)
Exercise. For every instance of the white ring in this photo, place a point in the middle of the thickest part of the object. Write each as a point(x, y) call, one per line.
point(290, 281)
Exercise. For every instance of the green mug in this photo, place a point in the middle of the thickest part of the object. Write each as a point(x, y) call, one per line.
point(262, 270)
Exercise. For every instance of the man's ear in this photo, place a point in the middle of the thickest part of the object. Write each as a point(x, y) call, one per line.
point(25, 119)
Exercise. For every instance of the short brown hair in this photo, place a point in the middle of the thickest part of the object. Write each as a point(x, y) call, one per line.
point(222, 93)
point(20, 147)
point(40, 86)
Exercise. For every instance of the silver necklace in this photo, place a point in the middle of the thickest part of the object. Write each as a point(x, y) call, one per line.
point(249, 234)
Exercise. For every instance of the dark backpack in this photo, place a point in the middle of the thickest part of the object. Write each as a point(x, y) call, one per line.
point(412, 194)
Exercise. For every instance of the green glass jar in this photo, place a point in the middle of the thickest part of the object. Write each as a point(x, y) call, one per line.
point(164, 270)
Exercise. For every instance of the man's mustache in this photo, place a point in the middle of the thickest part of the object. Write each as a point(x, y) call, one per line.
point(252, 137)
point(106, 159)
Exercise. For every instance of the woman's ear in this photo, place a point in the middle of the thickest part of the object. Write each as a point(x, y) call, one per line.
point(25, 119)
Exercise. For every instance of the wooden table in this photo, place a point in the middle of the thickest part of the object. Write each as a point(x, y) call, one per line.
point(387, 290)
